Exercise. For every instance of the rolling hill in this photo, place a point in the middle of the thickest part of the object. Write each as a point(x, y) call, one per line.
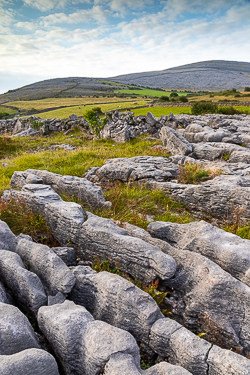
point(205, 76)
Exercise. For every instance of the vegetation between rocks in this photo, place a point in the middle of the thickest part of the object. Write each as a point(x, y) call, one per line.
point(194, 174)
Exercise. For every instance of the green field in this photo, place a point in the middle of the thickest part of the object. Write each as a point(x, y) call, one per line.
point(7, 110)
point(80, 110)
point(158, 111)
point(147, 92)
point(59, 102)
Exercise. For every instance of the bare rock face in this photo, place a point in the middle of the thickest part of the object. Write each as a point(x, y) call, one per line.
point(16, 332)
point(220, 197)
point(175, 142)
point(82, 345)
point(164, 368)
point(123, 364)
point(182, 347)
point(28, 362)
point(137, 168)
point(52, 271)
point(102, 238)
point(116, 301)
point(7, 238)
point(205, 298)
point(25, 286)
point(3, 295)
point(80, 188)
point(67, 254)
point(229, 251)
point(96, 236)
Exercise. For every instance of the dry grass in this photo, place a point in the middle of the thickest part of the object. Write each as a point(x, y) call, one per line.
point(194, 174)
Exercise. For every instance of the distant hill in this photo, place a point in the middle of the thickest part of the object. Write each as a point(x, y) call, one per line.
point(205, 76)
point(214, 75)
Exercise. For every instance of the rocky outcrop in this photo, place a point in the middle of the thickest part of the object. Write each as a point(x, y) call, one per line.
point(29, 362)
point(7, 238)
point(52, 271)
point(96, 236)
point(16, 332)
point(83, 345)
point(25, 286)
point(175, 142)
point(80, 188)
point(116, 301)
point(229, 251)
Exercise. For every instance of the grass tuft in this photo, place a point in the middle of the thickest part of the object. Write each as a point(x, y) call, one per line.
point(194, 174)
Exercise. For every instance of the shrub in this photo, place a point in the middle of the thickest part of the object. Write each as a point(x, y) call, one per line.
point(96, 125)
point(227, 110)
point(183, 99)
point(164, 98)
point(247, 89)
point(4, 115)
point(173, 95)
point(202, 107)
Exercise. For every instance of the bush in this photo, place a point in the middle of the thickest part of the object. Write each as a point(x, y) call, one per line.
point(173, 95)
point(202, 107)
point(4, 115)
point(164, 98)
point(228, 110)
point(247, 89)
point(183, 99)
point(96, 125)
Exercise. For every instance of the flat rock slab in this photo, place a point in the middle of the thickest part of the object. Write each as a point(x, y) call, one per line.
point(100, 237)
point(221, 197)
point(28, 362)
point(229, 251)
point(205, 298)
point(165, 368)
point(52, 271)
point(25, 286)
point(116, 301)
point(82, 189)
point(16, 332)
point(134, 169)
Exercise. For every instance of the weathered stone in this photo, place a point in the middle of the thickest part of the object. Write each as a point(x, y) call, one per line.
point(52, 271)
point(58, 298)
point(28, 362)
point(101, 238)
point(240, 157)
point(7, 238)
point(19, 179)
point(82, 345)
point(117, 301)
point(229, 251)
point(223, 197)
point(27, 133)
point(165, 368)
point(67, 254)
point(205, 298)
point(25, 286)
point(223, 362)
point(16, 332)
point(207, 152)
point(80, 188)
point(123, 364)
point(3, 295)
point(175, 142)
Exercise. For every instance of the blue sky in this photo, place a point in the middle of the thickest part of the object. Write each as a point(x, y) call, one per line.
point(41, 39)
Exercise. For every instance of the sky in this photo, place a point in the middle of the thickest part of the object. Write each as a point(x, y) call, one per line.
point(43, 39)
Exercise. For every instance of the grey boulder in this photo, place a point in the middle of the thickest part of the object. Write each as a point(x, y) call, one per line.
point(7, 238)
point(117, 301)
point(175, 142)
point(52, 271)
point(28, 362)
point(16, 332)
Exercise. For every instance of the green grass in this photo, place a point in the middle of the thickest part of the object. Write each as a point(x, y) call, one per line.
point(158, 111)
point(146, 92)
point(58, 102)
point(8, 110)
point(80, 110)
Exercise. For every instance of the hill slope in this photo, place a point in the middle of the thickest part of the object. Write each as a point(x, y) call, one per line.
point(206, 75)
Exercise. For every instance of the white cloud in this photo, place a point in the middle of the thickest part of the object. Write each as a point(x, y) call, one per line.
point(26, 25)
point(96, 13)
point(45, 5)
